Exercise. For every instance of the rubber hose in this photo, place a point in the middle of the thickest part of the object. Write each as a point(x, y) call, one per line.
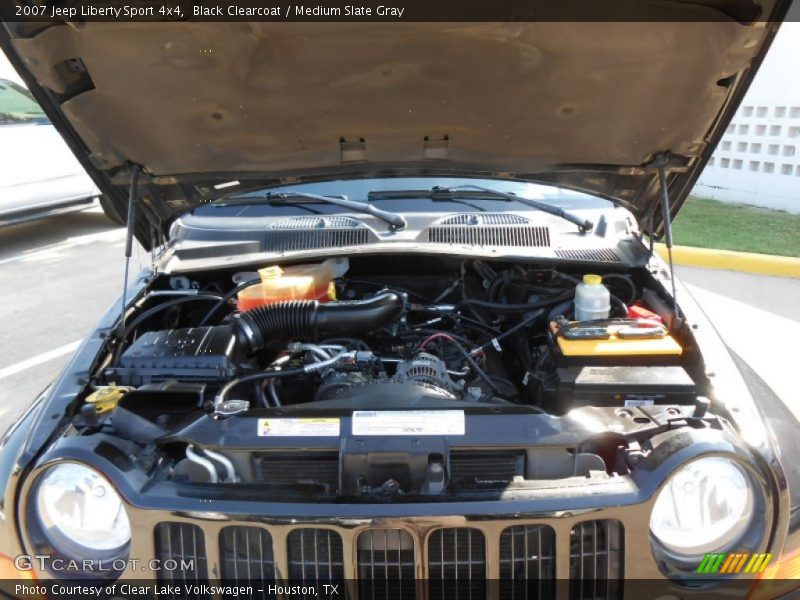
point(309, 320)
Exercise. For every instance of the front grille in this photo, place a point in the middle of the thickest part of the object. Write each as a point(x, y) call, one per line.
point(596, 550)
point(315, 557)
point(388, 560)
point(246, 553)
point(517, 236)
point(527, 562)
point(183, 543)
point(457, 563)
point(386, 568)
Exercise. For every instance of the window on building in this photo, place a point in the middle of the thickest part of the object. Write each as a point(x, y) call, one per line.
point(744, 129)
point(741, 147)
point(761, 129)
point(788, 150)
point(794, 112)
point(755, 148)
point(797, 170)
point(731, 128)
point(710, 162)
point(786, 169)
point(769, 167)
point(773, 149)
point(774, 129)
point(794, 131)
point(737, 163)
point(747, 111)
point(726, 145)
point(761, 111)
point(725, 163)
point(754, 164)
point(780, 111)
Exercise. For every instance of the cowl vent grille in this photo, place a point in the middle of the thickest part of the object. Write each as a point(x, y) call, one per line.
point(312, 239)
point(314, 222)
point(595, 254)
point(475, 219)
point(517, 236)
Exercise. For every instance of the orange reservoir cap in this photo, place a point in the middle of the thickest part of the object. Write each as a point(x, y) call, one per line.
point(297, 282)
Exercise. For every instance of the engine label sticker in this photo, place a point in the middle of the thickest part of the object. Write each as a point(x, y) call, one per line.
point(408, 422)
point(316, 427)
point(633, 402)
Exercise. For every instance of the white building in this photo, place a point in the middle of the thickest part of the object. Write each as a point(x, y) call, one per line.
point(758, 159)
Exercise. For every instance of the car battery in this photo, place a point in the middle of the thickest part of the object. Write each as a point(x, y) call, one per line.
point(613, 344)
point(572, 387)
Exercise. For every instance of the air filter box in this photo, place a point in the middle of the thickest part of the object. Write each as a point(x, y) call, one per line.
point(572, 387)
point(196, 354)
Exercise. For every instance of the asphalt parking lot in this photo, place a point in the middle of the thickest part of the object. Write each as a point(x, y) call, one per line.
point(59, 275)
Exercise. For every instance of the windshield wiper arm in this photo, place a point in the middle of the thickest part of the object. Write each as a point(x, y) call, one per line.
point(395, 220)
point(478, 191)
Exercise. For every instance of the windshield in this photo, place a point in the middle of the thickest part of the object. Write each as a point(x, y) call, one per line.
point(18, 106)
point(360, 189)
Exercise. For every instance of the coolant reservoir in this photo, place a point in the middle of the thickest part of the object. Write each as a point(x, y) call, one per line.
point(299, 282)
point(592, 299)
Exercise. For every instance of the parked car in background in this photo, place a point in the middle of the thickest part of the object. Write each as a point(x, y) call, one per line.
point(40, 175)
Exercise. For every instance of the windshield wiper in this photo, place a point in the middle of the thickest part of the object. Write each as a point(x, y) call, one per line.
point(395, 220)
point(477, 191)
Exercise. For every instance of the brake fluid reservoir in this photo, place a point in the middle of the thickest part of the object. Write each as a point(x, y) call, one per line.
point(592, 299)
point(299, 282)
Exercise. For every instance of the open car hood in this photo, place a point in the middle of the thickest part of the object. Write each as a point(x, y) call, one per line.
point(583, 105)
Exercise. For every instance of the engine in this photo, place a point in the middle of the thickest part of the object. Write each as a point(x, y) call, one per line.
point(479, 334)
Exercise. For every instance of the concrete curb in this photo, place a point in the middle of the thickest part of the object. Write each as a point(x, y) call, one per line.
point(748, 262)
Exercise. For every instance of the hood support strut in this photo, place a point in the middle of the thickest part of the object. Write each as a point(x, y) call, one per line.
point(661, 162)
point(129, 239)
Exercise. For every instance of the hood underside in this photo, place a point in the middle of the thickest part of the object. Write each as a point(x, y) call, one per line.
point(584, 105)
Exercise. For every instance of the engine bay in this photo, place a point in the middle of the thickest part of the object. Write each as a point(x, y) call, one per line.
point(498, 334)
point(354, 336)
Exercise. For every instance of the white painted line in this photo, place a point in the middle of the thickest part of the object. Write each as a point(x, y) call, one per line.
point(37, 360)
point(81, 240)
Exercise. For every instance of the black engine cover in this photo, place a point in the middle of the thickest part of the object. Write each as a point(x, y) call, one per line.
point(197, 354)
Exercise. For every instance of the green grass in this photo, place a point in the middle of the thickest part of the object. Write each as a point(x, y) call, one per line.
point(707, 223)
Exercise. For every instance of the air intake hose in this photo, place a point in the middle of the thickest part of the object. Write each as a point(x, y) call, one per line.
point(308, 320)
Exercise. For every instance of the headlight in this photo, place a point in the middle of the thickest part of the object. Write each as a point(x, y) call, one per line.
point(705, 506)
point(80, 514)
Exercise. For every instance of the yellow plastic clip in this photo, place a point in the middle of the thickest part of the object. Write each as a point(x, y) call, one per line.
point(105, 399)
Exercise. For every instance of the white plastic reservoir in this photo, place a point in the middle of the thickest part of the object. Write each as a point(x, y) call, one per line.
point(592, 299)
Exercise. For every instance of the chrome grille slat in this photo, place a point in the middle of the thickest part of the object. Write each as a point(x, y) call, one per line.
point(184, 543)
point(315, 556)
point(458, 555)
point(382, 575)
point(246, 553)
point(527, 562)
point(596, 560)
